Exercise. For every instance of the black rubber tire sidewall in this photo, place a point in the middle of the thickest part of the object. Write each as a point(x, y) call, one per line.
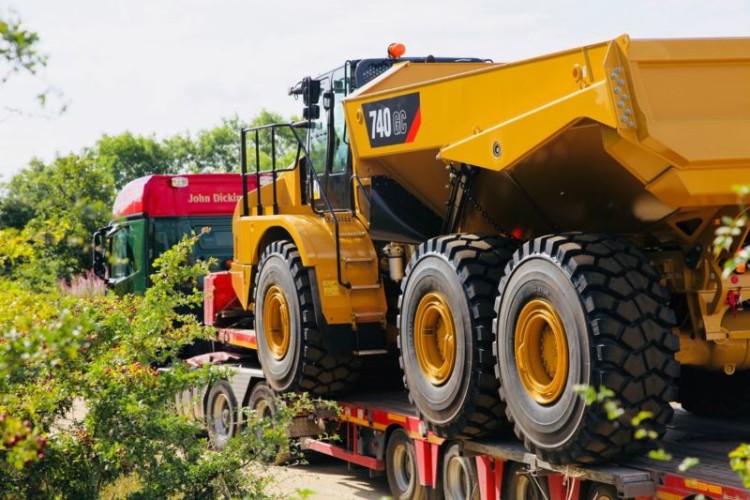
point(415, 490)
point(553, 425)
point(453, 452)
point(261, 392)
point(599, 491)
point(280, 374)
point(510, 483)
point(440, 404)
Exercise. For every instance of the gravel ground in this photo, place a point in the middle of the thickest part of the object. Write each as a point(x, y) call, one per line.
point(328, 477)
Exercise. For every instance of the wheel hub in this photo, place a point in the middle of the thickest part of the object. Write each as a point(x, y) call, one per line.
point(276, 322)
point(434, 338)
point(222, 417)
point(541, 351)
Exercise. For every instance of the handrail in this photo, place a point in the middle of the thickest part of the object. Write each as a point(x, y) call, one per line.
point(301, 148)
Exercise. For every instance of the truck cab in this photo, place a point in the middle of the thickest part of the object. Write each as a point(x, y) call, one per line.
point(152, 213)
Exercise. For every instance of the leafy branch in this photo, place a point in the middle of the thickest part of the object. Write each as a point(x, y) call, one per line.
point(18, 47)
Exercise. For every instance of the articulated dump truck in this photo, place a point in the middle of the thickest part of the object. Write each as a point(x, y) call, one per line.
point(518, 231)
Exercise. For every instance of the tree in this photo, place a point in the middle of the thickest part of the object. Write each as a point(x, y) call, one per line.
point(18, 47)
point(218, 149)
point(128, 157)
point(212, 150)
point(50, 212)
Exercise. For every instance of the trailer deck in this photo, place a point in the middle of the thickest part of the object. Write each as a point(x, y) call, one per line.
point(708, 440)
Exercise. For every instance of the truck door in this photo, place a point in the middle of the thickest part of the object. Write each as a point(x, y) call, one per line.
point(329, 144)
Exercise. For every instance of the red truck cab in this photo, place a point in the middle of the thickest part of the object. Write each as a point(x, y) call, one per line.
point(152, 213)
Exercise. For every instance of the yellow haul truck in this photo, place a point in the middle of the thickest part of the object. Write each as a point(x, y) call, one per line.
point(518, 230)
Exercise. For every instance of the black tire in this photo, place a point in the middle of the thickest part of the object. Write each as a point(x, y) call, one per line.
point(401, 468)
point(262, 401)
point(715, 394)
point(520, 484)
point(302, 363)
point(459, 475)
point(462, 271)
point(600, 491)
point(222, 414)
point(616, 324)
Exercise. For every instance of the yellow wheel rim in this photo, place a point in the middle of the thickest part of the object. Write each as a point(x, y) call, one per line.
point(276, 322)
point(434, 338)
point(541, 351)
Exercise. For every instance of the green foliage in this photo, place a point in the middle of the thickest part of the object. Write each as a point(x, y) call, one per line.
point(739, 461)
point(604, 398)
point(285, 142)
point(212, 150)
point(49, 211)
point(218, 149)
point(127, 157)
point(688, 463)
point(728, 231)
point(660, 454)
point(18, 47)
point(82, 410)
point(62, 204)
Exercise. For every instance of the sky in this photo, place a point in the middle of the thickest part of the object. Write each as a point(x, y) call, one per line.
point(164, 67)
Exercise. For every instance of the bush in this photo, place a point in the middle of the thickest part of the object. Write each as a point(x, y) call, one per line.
point(82, 408)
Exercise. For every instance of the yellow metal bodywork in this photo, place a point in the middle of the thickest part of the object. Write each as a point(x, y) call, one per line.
point(541, 350)
point(313, 234)
point(276, 332)
point(643, 138)
point(435, 338)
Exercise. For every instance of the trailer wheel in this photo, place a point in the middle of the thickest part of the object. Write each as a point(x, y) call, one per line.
point(600, 491)
point(583, 310)
point(221, 414)
point(262, 401)
point(290, 345)
point(402, 468)
point(459, 475)
point(715, 394)
point(445, 332)
point(520, 484)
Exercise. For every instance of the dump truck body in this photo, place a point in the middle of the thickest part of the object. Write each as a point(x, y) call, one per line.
point(644, 138)
point(519, 230)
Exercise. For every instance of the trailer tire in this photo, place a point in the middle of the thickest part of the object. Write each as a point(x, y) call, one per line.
point(520, 484)
point(715, 394)
point(459, 475)
point(290, 344)
point(583, 310)
point(402, 468)
point(445, 338)
point(222, 414)
point(601, 491)
point(262, 401)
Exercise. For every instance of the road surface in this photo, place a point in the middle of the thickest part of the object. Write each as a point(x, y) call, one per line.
point(328, 477)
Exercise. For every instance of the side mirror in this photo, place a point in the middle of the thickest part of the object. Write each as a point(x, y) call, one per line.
point(311, 112)
point(309, 89)
point(99, 256)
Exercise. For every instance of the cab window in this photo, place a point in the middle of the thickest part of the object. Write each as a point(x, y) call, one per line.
point(340, 140)
point(123, 258)
point(318, 133)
